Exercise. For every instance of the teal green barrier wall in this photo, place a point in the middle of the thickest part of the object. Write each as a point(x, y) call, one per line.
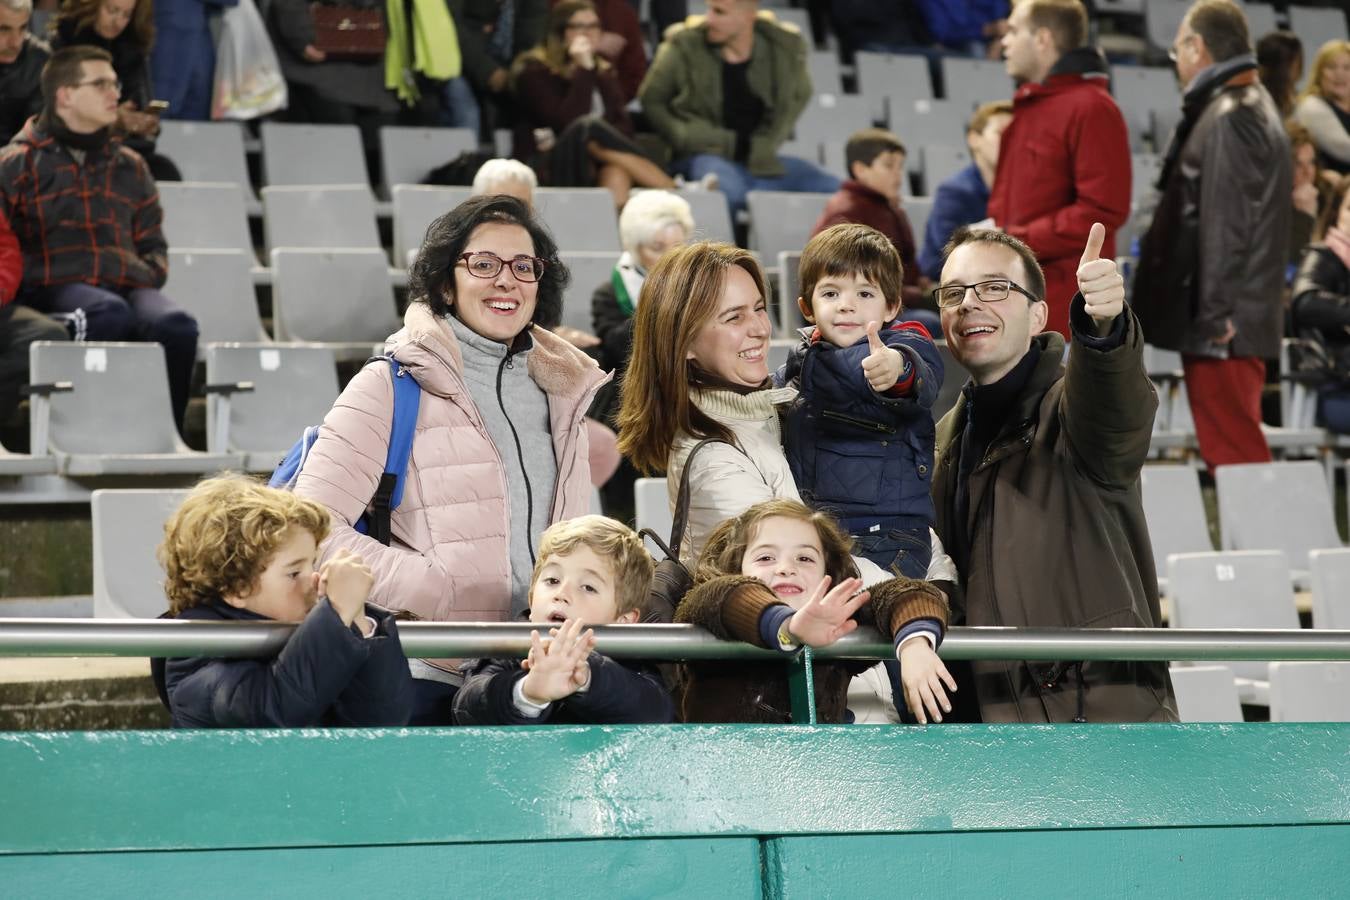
point(683, 811)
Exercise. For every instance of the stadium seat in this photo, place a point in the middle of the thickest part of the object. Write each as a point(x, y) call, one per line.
point(651, 507)
point(970, 82)
point(1330, 577)
point(589, 270)
point(712, 219)
point(1165, 121)
point(954, 378)
point(830, 117)
point(1310, 692)
point(1206, 693)
point(799, 18)
point(1138, 91)
point(13, 465)
point(823, 65)
point(579, 218)
point(893, 82)
point(202, 215)
point(786, 314)
point(288, 388)
point(1233, 589)
point(782, 220)
point(779, 349)
point(1162, 18)
point(116, 418)
point(214, 285)
point(917, 209)
point(291, 154)
point(1282, 506)
point(940, 162)
point(208, 151)
point(407, 155)
point(127, 526)
point(1144, 170)
point(1175, 513)
point(1262, 20)
point(326, 216)
point(930, 122)
point(415, 208)
point(341, 297)
point(1314, 28)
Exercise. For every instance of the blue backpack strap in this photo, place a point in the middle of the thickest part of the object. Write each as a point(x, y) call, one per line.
point(389, 492)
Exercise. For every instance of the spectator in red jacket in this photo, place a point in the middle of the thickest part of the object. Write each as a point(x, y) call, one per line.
point(871, 196)
point(1064, 162)
point(87, 216)
point(19, 325)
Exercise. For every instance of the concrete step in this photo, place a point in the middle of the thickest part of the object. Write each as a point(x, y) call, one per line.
point(86, 694)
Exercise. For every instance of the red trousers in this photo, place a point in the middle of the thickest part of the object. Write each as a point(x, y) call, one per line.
point(1225, 397)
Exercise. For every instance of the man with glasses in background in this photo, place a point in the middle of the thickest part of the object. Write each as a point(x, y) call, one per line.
point(1036, 480)
point(86, 213)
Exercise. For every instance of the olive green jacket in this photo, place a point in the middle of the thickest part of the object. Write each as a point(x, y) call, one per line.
point(1056, 535)
point(682, 93)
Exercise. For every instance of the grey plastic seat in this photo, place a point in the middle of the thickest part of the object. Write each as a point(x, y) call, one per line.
point(204, 216)
point(1144, 169)
point(970, 82)
point(712, 219)
point(589, 271)
point(208, 151)
point(1138, 91)
point(415, 208)
point(788, 315)
point(779, 349)
point(407, 155)
point(128, 525)
point(13, 465)
point(1165, 121)
point(1310, 692)
point(893, 81)
point(579, 218)
point(332, 296)
point(1175, 513)
point(1277, 506)
point(782, 220)
point(293, 386)
point(1206, 693)
point(954, 378)
point(116, 418)
point(1314, 28)
point(1233, 589)
point(319, 216)
point(832, 116)
point(917, 209)
point(1330, 578)
point(1162, 18)
point(651, 507)
point(301, 154)
point(930, 121)
point(823, 67)
point(940, 162)
point(215, 286)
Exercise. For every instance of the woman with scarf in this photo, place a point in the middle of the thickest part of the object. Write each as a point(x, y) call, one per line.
point(573, 128)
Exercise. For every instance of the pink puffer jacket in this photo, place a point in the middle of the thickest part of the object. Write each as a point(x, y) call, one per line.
point(449, 557)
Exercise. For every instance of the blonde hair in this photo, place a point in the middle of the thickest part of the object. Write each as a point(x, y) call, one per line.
point(725, 550)
point(224, 535)
point(679, 297)
point(618, 545)
point(1323, 59)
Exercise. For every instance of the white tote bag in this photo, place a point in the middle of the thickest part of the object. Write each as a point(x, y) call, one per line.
point(249, 83)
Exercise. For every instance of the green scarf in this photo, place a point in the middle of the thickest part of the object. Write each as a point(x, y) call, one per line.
point(432, 29)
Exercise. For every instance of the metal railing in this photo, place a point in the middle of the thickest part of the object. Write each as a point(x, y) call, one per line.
point(156, 637)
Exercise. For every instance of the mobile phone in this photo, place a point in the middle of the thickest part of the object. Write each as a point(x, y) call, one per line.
point(157, 107)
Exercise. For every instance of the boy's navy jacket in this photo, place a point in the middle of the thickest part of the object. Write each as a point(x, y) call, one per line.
point(861, 455)
point(327, 674)
point(618, 694)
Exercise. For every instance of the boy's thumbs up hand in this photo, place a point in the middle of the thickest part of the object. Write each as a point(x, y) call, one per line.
point(1100, 282)
point(883, 366)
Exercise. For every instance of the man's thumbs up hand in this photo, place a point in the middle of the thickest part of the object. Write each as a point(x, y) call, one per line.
point(883, 366)
point(1099, 281)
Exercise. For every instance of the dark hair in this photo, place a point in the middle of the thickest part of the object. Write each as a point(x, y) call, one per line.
point(1222, 26)
point(66, 68)
point(1333, 209)
point(967, 235)
point(1276, 54)
point(866, 145)
point(432, 275)
point(84, 13)
point(1066, 19)
point(850, 249)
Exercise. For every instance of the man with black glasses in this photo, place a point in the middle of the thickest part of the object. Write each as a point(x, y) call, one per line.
point(1036, 480)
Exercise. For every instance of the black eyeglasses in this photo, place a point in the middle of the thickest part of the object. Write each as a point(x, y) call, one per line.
point(992, 291)
point(483, 264)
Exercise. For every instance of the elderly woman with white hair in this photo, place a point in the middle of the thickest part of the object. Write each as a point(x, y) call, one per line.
point(506, 176)
point(652, 223)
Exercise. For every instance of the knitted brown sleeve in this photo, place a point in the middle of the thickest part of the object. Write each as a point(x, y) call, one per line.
point(899, 601)
point(728, 606)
